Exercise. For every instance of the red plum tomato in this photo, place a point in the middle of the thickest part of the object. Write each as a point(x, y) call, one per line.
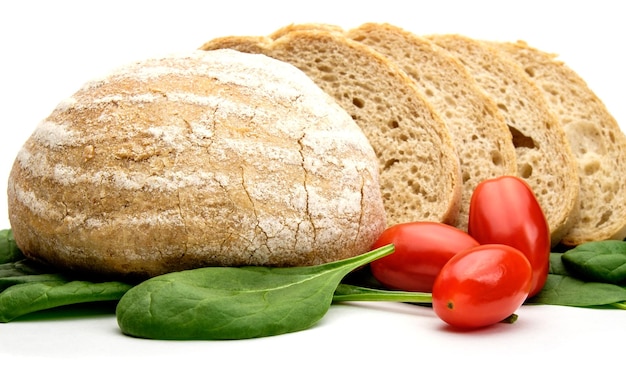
point(504, 210)
point(421, 250)
point(481, 286)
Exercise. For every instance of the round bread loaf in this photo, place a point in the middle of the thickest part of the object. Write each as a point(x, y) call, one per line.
point(217, 158)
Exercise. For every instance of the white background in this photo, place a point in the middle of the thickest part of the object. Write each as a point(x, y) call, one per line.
point(48, 49)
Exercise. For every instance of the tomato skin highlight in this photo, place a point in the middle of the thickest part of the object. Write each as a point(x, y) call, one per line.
point(504, 210)
point(481, 286)
point(421, 250)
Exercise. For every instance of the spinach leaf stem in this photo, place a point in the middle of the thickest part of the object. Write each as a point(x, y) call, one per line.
point(351, 293)
point(619, 305)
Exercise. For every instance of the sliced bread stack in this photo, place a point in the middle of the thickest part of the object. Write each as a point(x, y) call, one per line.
point(483, 140)
point(498, 108)
point(419, 166)
point(596, 140)
point(544, 156)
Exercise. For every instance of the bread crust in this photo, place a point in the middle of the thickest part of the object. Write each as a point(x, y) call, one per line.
point(203, 159)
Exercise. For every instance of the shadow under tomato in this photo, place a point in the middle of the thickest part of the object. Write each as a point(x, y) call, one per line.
point(485, 330)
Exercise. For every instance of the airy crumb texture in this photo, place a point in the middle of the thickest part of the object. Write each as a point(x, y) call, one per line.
point(208, 158)
point(483, 141)
point(419, 167)
point(596, 140)
point(544, 157)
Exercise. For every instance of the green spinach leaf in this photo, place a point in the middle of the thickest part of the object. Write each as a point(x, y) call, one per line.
point(562, 288)
point(26, 271)
point(556, 265)
point(570, 291)
point(603, 261)
point(234, 303)
point(23, 270)
point(26, 286)
point(9, 251)
point(24, 298)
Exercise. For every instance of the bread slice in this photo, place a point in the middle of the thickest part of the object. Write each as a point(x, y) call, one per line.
point(419, 167)
point(596, 140)
point(483, 141)
point(544, 157)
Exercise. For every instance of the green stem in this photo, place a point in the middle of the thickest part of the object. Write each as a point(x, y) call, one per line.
point(351, 293)
point(619, 305)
